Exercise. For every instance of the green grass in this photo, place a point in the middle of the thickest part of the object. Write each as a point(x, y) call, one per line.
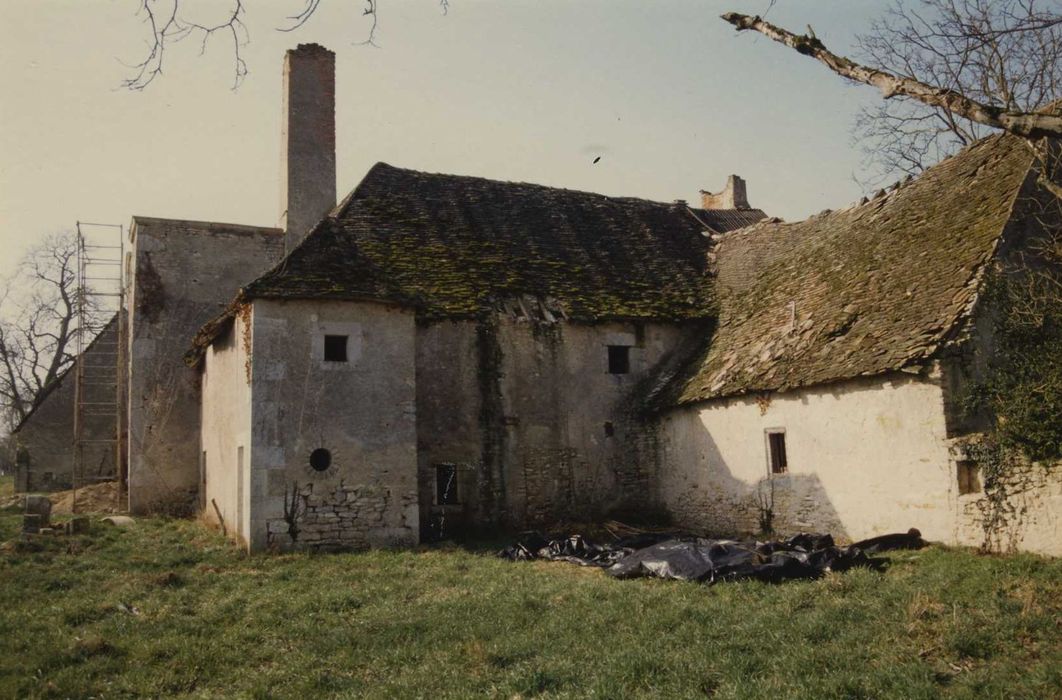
point(7, 486)
point(171, 609)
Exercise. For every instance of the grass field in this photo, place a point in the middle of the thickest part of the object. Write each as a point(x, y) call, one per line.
point(170, 609)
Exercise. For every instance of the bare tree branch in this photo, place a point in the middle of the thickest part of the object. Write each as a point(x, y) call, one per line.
point(1006, 53)
point(1026, 124)
point(167, 24)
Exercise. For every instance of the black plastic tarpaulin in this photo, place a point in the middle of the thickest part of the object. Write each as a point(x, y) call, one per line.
point(706, 560)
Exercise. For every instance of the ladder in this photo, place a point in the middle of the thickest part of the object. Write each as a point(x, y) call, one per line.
point(99, 425)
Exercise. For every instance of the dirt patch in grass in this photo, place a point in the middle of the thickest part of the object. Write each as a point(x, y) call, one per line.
point(96, 498)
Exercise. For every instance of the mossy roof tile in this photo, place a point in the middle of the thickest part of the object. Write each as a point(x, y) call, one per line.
point(859, 291)
point(453, 246)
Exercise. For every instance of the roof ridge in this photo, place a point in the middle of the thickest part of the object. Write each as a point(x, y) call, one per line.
point(519, 183)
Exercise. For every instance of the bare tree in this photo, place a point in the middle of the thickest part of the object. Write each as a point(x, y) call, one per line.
point(38, 322)
point(965, 66)
point(999, 52)
point(172, 21)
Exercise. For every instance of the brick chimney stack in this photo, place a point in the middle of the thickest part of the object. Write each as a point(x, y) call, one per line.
point(732, 197)
point(308, 141)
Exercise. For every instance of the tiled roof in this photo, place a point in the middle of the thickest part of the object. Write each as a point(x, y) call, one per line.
point(723, 220)
point(453, 245)
point(861, 291)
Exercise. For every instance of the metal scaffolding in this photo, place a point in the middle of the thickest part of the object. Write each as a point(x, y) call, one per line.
point(98, 383)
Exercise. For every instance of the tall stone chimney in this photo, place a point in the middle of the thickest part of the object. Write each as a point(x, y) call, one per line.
point(308, 140)
point(732, 197)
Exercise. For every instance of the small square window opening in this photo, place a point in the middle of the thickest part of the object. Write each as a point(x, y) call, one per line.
point(969, 477)
point(619, 359)
point(776, 452)
point(335, 348)
point(446, 485)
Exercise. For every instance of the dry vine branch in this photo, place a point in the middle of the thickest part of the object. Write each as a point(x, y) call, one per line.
point(167, 25)
point(171, 26)
point(1032, 125)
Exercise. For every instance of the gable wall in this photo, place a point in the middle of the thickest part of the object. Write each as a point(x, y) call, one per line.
point(184, 274)
point(362, 411)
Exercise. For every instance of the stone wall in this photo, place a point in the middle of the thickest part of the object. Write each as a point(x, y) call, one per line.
point(361, 411)
point(530, 418)
point(44, 442)
point(184, 274)
point(1021, 511)
point(343, 517)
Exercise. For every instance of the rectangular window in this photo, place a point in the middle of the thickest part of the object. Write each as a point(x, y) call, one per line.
point(776, 451)
point(969, 477)
point(335, 348)
point(446, 484)
point(619, 359)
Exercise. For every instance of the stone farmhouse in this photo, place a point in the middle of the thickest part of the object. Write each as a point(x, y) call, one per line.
point(437, 353)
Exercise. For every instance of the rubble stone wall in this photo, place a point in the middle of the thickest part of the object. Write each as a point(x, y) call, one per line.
point(1027, 516)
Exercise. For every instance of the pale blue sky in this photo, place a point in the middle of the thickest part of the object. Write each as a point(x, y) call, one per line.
point(668, 94)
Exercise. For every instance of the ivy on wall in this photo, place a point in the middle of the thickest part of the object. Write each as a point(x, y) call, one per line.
point(1021, 391)
point(1023, 387)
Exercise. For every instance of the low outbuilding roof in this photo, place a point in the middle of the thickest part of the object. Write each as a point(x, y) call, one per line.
point(861, 291)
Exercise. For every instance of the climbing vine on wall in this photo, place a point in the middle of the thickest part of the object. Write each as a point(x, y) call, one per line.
point(1023, 388)
point(244, 314)
point(1005, 475)
point(1021, 392)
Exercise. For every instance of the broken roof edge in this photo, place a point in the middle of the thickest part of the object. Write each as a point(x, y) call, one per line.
point(976, 281)
point(916, 369)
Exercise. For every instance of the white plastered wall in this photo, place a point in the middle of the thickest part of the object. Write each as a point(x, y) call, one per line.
point(225, 428)
point(865, 457)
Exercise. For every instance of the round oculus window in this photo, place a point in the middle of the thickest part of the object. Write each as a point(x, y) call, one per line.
point(320, 459)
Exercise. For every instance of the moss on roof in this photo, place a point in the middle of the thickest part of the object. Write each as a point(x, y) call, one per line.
point(860, 291)
point(453, 246)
